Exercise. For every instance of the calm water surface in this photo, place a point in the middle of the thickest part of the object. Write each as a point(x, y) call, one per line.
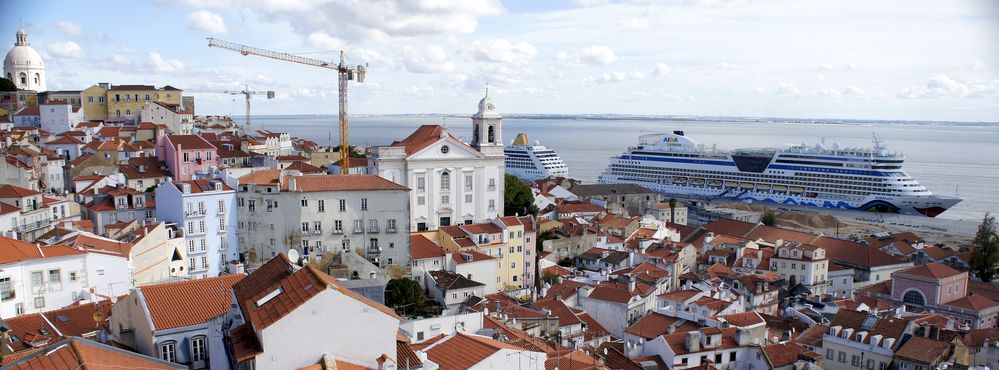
point(947, 159)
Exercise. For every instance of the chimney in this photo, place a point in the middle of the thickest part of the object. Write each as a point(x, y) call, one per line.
point(631, 283)
point(693, 341)
point(742, 337)
point(292, 184)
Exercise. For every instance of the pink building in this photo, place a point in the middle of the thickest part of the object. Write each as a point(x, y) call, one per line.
point(942, 289)
point(186, 154)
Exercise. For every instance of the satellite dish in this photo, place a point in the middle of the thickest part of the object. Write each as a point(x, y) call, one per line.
point(293, 255)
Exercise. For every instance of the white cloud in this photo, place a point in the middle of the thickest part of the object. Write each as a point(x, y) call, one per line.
point(634, 24)
point(67, 49)
point(786, 89)
point(207, 21)
point(501, 50)
point(324, 41)
point(427, 59)
point(374, 58)
point(661, 70)
point(726, 66)
point(157, 64)
point(943, 86)
point(616, 77)
point(977, 65)
point(71, 29)
point(590, 55)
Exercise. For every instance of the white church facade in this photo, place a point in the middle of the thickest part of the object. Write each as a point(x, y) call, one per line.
point(451, 182)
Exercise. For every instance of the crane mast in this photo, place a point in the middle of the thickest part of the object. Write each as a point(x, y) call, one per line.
point(247, 93)
point(345, 73)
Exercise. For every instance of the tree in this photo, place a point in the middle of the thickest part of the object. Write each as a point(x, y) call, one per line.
point(550, 277)
point(354, 153)
point(404, 295)
point(985, 254)
point(770, 218)
point(517, 197)
point(547, 235)
point(7, 85)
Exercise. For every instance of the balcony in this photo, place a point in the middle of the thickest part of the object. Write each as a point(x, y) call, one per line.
point(374, 250)
point(196, 232)
point(193, 213)
point(312, 232)
point(358, 230)
point(372, 229)
point(32, 225)
point(338, 231)
point(223, 230)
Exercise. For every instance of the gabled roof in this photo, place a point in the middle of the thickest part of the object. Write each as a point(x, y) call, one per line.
point(973, 302)
point(923, 350)
point(14, 191)
point(932, 270)
point(344, 183)
point(463, 351)
point(424, 248)
point(423, 137)
point(655, 324)
point(783, 354)
point(446, 280)
point(189, 142)
point(78, 353)
point(12, 250)
point(78, 319)
point(172, 305)
point(31, 331)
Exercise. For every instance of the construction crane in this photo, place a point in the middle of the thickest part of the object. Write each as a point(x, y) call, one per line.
point(344, 73)
point(247, 93)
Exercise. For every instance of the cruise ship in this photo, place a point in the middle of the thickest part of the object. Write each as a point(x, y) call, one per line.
point(868, 179)
point(532, 162)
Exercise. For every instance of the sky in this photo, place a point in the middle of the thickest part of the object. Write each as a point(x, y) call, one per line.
point(855, 59)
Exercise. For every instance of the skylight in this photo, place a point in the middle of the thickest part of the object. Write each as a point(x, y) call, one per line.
point(269, 297)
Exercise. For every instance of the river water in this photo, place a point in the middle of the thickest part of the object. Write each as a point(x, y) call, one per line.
point(948, 159)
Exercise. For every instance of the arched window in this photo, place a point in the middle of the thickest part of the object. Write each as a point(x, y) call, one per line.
point(24, 78)
point(9, 77)
point(38, 77)
point(128, 112)
point(492, 134)
point(445, 181)
point(117, 112)
point(914, 297)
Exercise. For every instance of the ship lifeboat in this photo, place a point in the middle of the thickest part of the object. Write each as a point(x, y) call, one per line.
point(762, 187)
point(680, 180)
point(780, 188)
point(715, 183)
point(795, 190)
point(731, 184)
point(746, 185)
point(697, 181)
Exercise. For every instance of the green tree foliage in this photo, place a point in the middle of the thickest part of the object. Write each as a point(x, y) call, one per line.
point(404, 295)
point(770, 218)
point(518, 197)
point(547, 235)
point(985, 254)
point(7, 85)
point(354, 153)
point(550, 278)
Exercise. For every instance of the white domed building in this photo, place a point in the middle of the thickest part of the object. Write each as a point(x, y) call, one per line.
point(24, 65)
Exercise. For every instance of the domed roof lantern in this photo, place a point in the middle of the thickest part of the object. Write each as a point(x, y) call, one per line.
point(486, 107)
point(22, 37)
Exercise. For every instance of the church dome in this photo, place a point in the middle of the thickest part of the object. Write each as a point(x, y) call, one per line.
point(23, 59)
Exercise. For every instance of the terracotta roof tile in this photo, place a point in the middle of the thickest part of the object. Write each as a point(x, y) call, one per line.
point(170, 304)
point(189, 142)
point(923, 350)
point(30, 331)
point(933, 270)
point(344, 183)
point(463, 351)
point(14, 191)
point(973, 302)
point(77, 353)
point(78, 320)
point(783, 354)
point(656, 324)
point(424, 248)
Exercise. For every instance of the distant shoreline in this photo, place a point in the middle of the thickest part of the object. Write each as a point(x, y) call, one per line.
point(623, 117)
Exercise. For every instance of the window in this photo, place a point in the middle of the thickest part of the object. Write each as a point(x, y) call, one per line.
point(221, 206)
point(390, 224)
point(6, 289)
point(445, 199)
point(343, 205)
point(39, 302)
point(36, 278)
point(305, 202)
point(468, 182)
point(199, 348)
point(204, 244)
point(72, 276)
point(492, 184)
point(468, 198)
point(55, 276)
point(317, 226)
point(252, 205)
point(870, 364)
point(305, 227)
point(914, 297)
point(337, 226)
point(364, 204)
point(445, 181)
point(373, 226)
point(855, 361)
point(421, 200)
point(168, 351)
point(842, 357)
point(100, 272)
point(322, 205)
point(192, 263)
point(421, 183)
point(492, 204)
point(204, 262)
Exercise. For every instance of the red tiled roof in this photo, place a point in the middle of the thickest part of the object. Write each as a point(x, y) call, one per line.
point(77, 353)
point(14, 191)
point(189, 142)
point(31, 330)
point(344, 183)
point(656, 324)
point(78, 320)
point(744, 319)
point(424, 248)
point(973, 302)
point(933, 270)
point(463, 351)
point(783, 354)
point(170, 304)
point(482, 228)
point(923, 350)
point(424, 137)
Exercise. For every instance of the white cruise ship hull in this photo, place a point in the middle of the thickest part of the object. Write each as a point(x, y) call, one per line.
point(848, 178)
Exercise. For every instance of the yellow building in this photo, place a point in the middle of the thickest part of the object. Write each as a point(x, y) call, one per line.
point(104, 101)
point(502, 238)
point(95, 108)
